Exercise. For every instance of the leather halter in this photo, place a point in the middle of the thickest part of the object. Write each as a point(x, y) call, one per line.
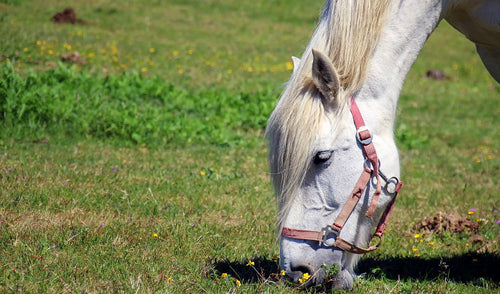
point(392, 187)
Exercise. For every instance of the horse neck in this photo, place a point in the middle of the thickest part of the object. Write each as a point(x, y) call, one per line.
point(408, 26)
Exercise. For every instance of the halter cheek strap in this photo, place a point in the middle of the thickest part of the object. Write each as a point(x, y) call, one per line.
point(365, 139)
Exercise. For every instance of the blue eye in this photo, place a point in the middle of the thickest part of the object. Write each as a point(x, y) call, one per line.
point(322, 156)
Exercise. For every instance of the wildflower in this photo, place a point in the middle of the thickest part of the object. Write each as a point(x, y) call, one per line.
point(224, 275)
point(304, 278)
point(250, 263)
point(274, 257)
point(151, 50)
point(175, 53)
point(25, 49)
point(144, 69)
point(282, 272)
point(289, 65)
point(414, 249)
point(238, 283)
point(416, 236)
point(190, 51)
point(471, 211)
point(431, 243)
point(155, 235)
point(497, 222)
point(202, 173)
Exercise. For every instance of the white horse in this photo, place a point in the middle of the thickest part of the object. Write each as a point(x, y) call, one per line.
point(353, 69)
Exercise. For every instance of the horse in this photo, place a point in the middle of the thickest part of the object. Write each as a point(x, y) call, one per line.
point(333, 159)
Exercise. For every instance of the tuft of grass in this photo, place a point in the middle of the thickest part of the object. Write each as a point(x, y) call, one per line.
point(128, 107)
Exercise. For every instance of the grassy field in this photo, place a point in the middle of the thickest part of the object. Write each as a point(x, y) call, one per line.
point(141, 167)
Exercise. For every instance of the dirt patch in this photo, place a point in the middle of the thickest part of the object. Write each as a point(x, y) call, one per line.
point(447, 222)
point(436, 74)
point(68, 15)
point(73, 57)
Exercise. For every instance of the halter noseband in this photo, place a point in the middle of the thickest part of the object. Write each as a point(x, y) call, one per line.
point(392, 187)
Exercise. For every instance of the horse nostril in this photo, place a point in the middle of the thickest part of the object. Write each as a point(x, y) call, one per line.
point(299, 271)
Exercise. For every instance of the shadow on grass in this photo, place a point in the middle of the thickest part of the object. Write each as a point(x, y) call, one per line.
point(262, 269)
point(468, 268)
point(475, 268)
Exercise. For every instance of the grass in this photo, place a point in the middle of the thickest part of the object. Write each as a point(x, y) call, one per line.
point(120, 179)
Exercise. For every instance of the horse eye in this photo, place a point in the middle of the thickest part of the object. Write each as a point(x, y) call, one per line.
point(322, 156)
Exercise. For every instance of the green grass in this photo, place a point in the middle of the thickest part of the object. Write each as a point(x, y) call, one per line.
point(120, 179)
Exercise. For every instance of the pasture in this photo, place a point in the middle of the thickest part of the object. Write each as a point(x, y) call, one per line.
point(139, 165)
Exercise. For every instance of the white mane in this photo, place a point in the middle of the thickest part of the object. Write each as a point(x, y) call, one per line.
point(347, 33)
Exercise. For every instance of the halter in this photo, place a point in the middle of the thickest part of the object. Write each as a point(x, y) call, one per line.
point(371, 169)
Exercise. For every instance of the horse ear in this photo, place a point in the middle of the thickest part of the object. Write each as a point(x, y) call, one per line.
point(295, 62)
point(324, 75)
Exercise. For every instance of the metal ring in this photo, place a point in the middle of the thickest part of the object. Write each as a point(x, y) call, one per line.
point(329, 237)
point(392, 182)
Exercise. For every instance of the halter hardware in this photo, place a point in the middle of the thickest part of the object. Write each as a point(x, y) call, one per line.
point(363, 135)
point(371, 170)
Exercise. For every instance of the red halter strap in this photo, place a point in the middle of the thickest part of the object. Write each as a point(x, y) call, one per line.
point(365, 139)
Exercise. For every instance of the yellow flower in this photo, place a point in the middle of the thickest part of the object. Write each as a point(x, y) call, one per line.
point(250, 263)
point(144, 69)
point(289, 65)
point(304, 278)
point(238, 283)
point(470, 212)
point(25, 49)
point(202, 173)
point(414, 249)
point(224, 275)
point(416, 236)
point(282, 272)
point(175, 53)
point(155, 235)
point(151, 50)
point(431, 243)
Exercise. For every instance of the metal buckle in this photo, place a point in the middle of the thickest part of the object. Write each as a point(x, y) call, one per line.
point(365, 141)
point(329, 237)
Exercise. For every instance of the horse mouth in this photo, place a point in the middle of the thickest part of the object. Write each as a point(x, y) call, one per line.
point(323, 278)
